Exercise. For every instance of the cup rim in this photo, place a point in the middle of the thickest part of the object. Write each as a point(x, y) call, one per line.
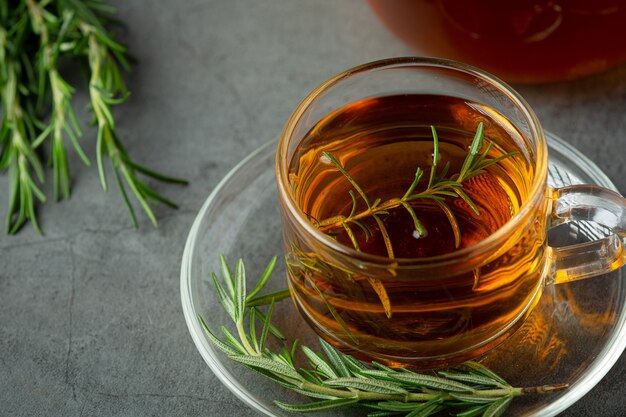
point(537, 189)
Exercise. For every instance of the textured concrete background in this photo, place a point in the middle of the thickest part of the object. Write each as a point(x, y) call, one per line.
point(90, 315)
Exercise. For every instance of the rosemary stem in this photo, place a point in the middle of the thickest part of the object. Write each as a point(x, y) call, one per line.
point(338, 221)
point(423, 397)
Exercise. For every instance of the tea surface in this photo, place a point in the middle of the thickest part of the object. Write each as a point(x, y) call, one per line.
point(381, 142)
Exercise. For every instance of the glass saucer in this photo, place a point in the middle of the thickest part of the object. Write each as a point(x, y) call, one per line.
point(575, 334)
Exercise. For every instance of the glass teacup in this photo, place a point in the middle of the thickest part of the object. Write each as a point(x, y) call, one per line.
point(480, 262)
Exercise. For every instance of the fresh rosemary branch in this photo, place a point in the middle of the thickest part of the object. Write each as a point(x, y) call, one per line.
point(37, 103)
point(339, 381)
point(440, 186)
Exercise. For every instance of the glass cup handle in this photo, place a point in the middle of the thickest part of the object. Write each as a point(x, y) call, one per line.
point(604, 254)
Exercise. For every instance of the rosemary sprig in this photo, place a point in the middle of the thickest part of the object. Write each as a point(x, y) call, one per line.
point(440, 186)
point(18, 154)
point(337, 381)
point(107, 89)
point(34, 36)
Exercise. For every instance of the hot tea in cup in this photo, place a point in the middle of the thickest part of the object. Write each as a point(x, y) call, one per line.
point(415, 212)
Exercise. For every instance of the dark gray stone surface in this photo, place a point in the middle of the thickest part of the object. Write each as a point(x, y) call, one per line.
point(90, 315)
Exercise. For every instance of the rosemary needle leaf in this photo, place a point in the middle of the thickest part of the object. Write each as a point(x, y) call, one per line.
point(129, 206)
point(313, 394)
point(232, 340)
point(468, 398)
point(227, 277)
point(42, 137)
point(268, 365)
point(477, 143)
point(383, 414)
point(480, 369)
point(215, 340)
point(380, 290)
point(416, 222)
point(99, 158)
point(432, 382)
point(470, 379)
point(472, 412)
point(425, 411)
point(352, 237)
point(334, 357)
point(385, 234)
point(267, 298)
point(227, 302)
point(269, 270)
point(493, 161)
point(266, 326)
point(312, 376)
point(370, 385)
point(348, 176)
point(366, 230)
point(468, 200)
point(453, 222)
point(318, 406)
point(330, 308)
point(353, 203)
point(132, 182)
point(445, 170)
point(277, 379)
point(319, 364)
point(378, 373)
point(272, 328)
point(433, 169)
point(498, 408)
point(395, 406)
point(153, 195)
point(382, 367)
point(240, 290)
point(158, 176)
point(418, 176)
point(355, 366)
point(292, 354)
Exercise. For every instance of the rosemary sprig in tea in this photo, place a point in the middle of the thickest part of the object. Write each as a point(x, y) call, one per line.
point(337, 380)
point(440, 185)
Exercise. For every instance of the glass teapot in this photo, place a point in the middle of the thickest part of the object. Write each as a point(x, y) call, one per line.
point(522, 41)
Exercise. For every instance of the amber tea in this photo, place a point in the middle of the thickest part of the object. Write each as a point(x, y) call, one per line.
point(350, 175)
point(415, 208)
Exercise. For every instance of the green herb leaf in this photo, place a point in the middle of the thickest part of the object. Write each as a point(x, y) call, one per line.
point(381, 387)
point(240, 291)
point(319, 406)
point(498, 407)
point(269, 269)
point(334, 357)
point(267, 364)
point(318, 363)
point(433, 382)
